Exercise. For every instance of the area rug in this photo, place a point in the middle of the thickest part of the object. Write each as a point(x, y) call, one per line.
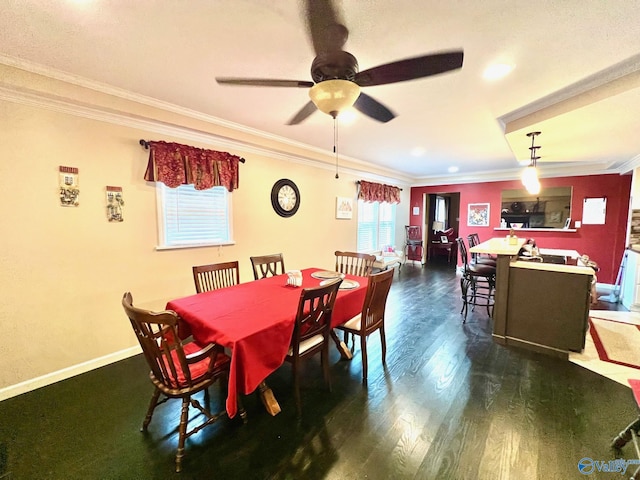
point(616, 342)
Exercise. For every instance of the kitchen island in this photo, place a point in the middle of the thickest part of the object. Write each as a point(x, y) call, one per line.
point(538, 305)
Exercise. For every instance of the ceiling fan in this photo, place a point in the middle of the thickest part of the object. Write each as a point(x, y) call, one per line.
point(336, 78)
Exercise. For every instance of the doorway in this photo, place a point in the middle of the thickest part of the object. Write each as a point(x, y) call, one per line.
point(442, 212)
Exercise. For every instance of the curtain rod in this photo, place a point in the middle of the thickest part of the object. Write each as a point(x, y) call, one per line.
point(145, 144)
point(358, 182)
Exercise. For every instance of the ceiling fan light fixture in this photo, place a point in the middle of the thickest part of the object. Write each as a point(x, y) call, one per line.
point(334, 96)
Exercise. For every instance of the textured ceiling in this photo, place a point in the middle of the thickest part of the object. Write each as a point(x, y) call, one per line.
point(576, 75)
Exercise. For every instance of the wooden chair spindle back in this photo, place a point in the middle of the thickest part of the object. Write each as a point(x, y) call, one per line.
point(216, 275)
point(267, 265)
point(353, 263)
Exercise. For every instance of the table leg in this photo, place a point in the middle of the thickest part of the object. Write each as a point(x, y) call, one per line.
point(268, 399)
point(345, 353)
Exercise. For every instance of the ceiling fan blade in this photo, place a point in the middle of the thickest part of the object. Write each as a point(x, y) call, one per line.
point(264, 82)
point(373, 108)
point(304, 112)
point(327, 31)
point(410, 69)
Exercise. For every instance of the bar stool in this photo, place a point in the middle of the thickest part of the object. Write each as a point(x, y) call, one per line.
point(482, 280)
point(476, 258)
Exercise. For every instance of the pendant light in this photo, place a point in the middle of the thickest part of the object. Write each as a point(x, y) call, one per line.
point(530, 173)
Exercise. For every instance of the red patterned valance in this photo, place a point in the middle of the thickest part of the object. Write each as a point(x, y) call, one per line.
point(174, 164)
point(378, 192)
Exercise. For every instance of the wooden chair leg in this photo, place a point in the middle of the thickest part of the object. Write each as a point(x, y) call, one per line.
point(152, 406)
point(383, 341)
point(207, 398)
point(182, 432)
point(363, 351)
point(296, 388)
point(324, 359)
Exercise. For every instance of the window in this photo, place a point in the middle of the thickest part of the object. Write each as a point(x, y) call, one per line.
point(376, 225)
point(441, 211)
point(188, 217)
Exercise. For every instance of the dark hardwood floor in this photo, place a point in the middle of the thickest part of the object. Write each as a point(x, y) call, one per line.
point(451, 404)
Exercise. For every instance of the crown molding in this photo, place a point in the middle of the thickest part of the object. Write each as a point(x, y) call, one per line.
point(38, 99)
point(597, 168)
point(629, 166)
point(363, 169)
point(48, 102)
point(602, 81)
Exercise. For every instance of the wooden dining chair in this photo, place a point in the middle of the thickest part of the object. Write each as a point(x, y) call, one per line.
point(267, 265)
point(215, 275)
point(311, 332)
point(353, 263)
point(372, 316)
point(178, 370)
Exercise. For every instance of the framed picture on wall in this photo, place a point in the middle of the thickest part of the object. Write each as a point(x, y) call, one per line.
point(478, 215)
point(344, 207)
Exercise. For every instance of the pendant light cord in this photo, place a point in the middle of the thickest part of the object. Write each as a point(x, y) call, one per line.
point(335, 141)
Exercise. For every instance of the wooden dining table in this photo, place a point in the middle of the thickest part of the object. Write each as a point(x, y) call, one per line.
point(255, 321)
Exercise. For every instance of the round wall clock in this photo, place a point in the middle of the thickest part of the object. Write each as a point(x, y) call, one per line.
point(285, 197)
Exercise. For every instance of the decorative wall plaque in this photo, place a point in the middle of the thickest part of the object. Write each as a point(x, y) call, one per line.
point(115, 202)
point(69, 188)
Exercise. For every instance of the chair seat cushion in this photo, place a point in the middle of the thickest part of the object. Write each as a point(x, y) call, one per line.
point(198, 369)
point(485, 261)
point(354, 323)
point(307, 344)
point(635, 387)
point(482, 270)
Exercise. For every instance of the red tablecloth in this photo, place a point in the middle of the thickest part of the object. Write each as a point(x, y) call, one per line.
point(255, 320)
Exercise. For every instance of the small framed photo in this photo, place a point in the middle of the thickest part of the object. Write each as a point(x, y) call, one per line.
point(444, 239)
point(478, 215)
point(344, 207)
point(567, 223)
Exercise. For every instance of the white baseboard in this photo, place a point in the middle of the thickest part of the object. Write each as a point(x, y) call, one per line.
point(604, 288)
point(53, 377)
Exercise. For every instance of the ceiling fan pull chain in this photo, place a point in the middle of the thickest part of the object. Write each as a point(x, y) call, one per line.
point(335, 142)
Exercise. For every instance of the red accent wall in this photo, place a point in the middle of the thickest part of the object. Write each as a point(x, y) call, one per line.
point(605, 244)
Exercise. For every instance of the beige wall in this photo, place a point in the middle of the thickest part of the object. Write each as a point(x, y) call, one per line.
point(64, 270)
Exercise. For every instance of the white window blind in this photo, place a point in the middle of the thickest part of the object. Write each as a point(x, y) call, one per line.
point(441, 211)
point(376, 225)
point(190, 217)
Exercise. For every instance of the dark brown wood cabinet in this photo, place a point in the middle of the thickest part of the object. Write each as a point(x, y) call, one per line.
point(548, 307)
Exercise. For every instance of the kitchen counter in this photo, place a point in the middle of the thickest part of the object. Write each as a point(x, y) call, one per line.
point(539, 306)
